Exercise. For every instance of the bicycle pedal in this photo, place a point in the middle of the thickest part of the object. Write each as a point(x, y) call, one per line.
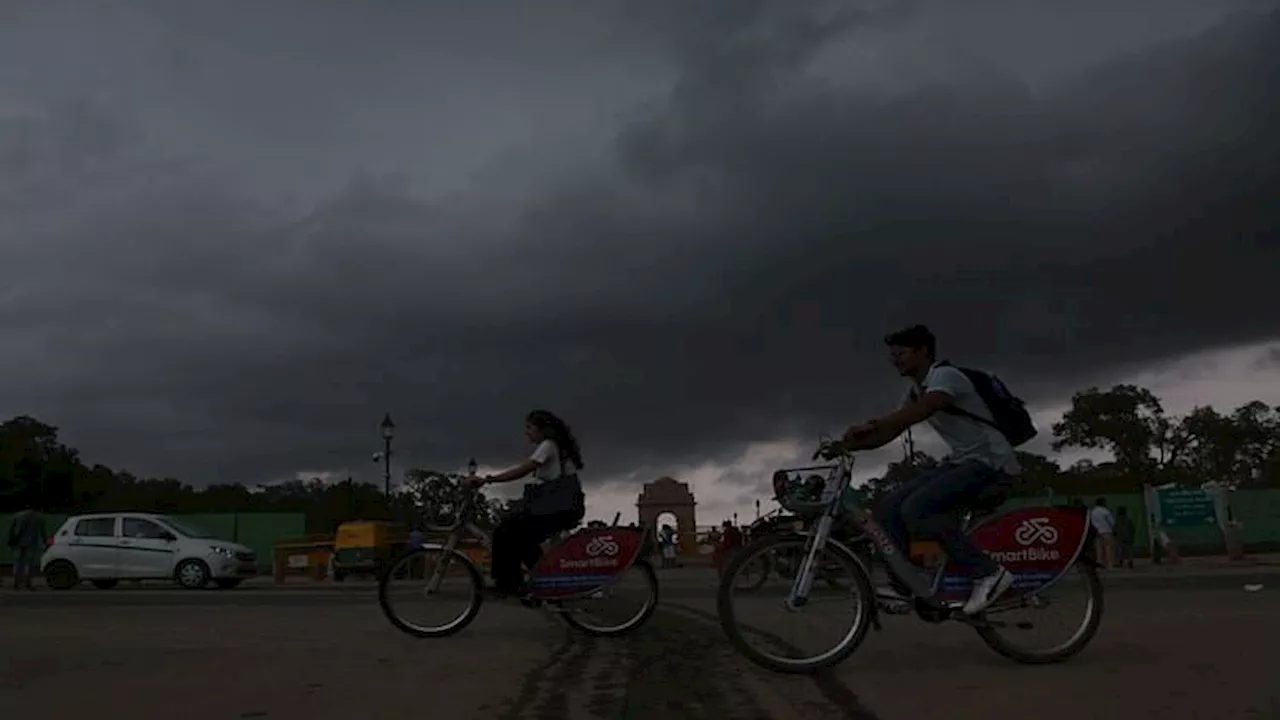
point(894, 608)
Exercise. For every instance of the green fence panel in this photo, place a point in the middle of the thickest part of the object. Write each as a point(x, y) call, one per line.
point(219, 525)
point(1258, 512)
point(261, 532)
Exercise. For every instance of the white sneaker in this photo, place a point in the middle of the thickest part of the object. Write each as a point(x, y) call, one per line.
point(986, 590)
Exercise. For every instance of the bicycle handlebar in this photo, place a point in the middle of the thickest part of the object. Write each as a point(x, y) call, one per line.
point(467, 496)
point(832, 450)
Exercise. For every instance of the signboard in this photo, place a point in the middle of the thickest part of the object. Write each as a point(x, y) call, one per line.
point(1186, 507)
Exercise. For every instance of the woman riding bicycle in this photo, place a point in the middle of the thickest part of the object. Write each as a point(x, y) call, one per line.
point(553, 504)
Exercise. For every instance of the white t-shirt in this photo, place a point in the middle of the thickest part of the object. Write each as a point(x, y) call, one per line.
point(967, 438)
point(1102, 520)
point(547, 455)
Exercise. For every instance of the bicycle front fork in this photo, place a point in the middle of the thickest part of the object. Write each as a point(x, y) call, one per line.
point(803, 582)
point(437, 575)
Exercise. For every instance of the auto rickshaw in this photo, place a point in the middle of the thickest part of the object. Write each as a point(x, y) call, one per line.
point(364, 547)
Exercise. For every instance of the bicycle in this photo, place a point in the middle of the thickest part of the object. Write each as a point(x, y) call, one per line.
point(578, 567)
point(1039, 545)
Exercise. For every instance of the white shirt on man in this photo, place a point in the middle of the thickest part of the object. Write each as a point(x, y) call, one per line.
point(1102, 519)
point(550, 467)
point(967, 438)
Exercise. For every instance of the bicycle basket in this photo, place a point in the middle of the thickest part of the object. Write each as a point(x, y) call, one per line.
point(804, 491)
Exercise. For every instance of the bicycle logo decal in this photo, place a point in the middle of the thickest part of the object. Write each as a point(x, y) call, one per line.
point(602, 545)
point(1033, 530)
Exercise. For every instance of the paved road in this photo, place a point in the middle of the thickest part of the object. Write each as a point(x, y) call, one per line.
point(1205, 650)
point(322, 661)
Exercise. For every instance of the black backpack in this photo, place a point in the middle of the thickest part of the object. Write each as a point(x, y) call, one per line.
point(1008, 410)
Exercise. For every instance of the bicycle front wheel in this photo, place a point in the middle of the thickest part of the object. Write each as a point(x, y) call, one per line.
point(834, 620)
point(430, 581)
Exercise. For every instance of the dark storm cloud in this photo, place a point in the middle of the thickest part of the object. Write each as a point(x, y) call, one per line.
point(723, 279)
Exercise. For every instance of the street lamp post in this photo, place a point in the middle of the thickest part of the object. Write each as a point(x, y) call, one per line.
point(388, 429)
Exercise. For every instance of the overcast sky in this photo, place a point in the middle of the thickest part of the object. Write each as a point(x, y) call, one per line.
point(233, 234)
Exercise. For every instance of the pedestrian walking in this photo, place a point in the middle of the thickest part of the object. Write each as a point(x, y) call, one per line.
point(27, 536)
point(1104, 524)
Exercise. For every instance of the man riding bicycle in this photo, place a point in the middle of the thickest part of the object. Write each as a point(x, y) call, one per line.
point(981, 455)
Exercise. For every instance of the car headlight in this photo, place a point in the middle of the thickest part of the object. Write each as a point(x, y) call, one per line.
point(224, 552)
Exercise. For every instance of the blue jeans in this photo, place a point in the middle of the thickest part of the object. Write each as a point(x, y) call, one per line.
point(925, 505)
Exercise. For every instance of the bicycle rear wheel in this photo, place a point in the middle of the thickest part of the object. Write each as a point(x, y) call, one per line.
point(757, 636)
point(1005, 628)
point(408, 585)
point(638, 581)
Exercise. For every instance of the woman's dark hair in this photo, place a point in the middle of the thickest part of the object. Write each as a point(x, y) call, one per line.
point(916, 336)
point(558, 432)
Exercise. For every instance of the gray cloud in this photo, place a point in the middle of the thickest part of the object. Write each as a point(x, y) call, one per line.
point(1271, 359)
point(713, 268)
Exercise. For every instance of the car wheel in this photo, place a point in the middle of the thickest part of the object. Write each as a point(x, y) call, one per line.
point(105, 584)
point(228, 583)
point(61, 575)
point(192, 574)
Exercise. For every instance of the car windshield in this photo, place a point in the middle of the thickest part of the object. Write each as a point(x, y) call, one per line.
point(185, 529)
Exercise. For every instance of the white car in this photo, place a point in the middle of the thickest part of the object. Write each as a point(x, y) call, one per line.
point(105, 548)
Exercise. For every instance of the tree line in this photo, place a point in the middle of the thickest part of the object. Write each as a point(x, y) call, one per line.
point(1146, 445)
point(1128, 423)
point(37, 469)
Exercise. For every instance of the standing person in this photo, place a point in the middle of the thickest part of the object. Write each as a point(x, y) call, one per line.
point(416, 538)
point(733, 539)
point(1104, 523)
point(1126, 533)
point(1157, 549)
point(981, 421)
point(553, 504)
point(668, 546)
point(1165, 543)
point(27, 536)
point(732, 535)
